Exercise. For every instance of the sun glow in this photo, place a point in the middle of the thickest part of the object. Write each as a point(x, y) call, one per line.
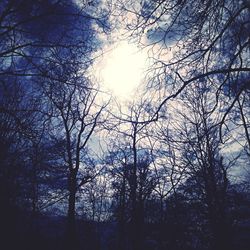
point(122, 69)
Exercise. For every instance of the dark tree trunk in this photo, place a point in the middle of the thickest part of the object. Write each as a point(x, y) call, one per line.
point(121, 217)
point(71, 219)
point(135, 228)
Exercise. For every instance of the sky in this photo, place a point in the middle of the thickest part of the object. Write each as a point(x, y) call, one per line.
point(121, 69)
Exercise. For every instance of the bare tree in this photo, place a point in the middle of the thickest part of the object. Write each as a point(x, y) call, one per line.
point(74, 113)
point(196, 140)
point(134, 176)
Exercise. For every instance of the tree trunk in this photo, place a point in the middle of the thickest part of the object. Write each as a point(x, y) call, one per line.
point(135, 230)
point(71, 226)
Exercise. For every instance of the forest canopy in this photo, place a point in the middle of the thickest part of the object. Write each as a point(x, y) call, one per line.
point(165, 166)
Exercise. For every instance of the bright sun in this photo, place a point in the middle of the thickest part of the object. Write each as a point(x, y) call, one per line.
point(123, 68)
